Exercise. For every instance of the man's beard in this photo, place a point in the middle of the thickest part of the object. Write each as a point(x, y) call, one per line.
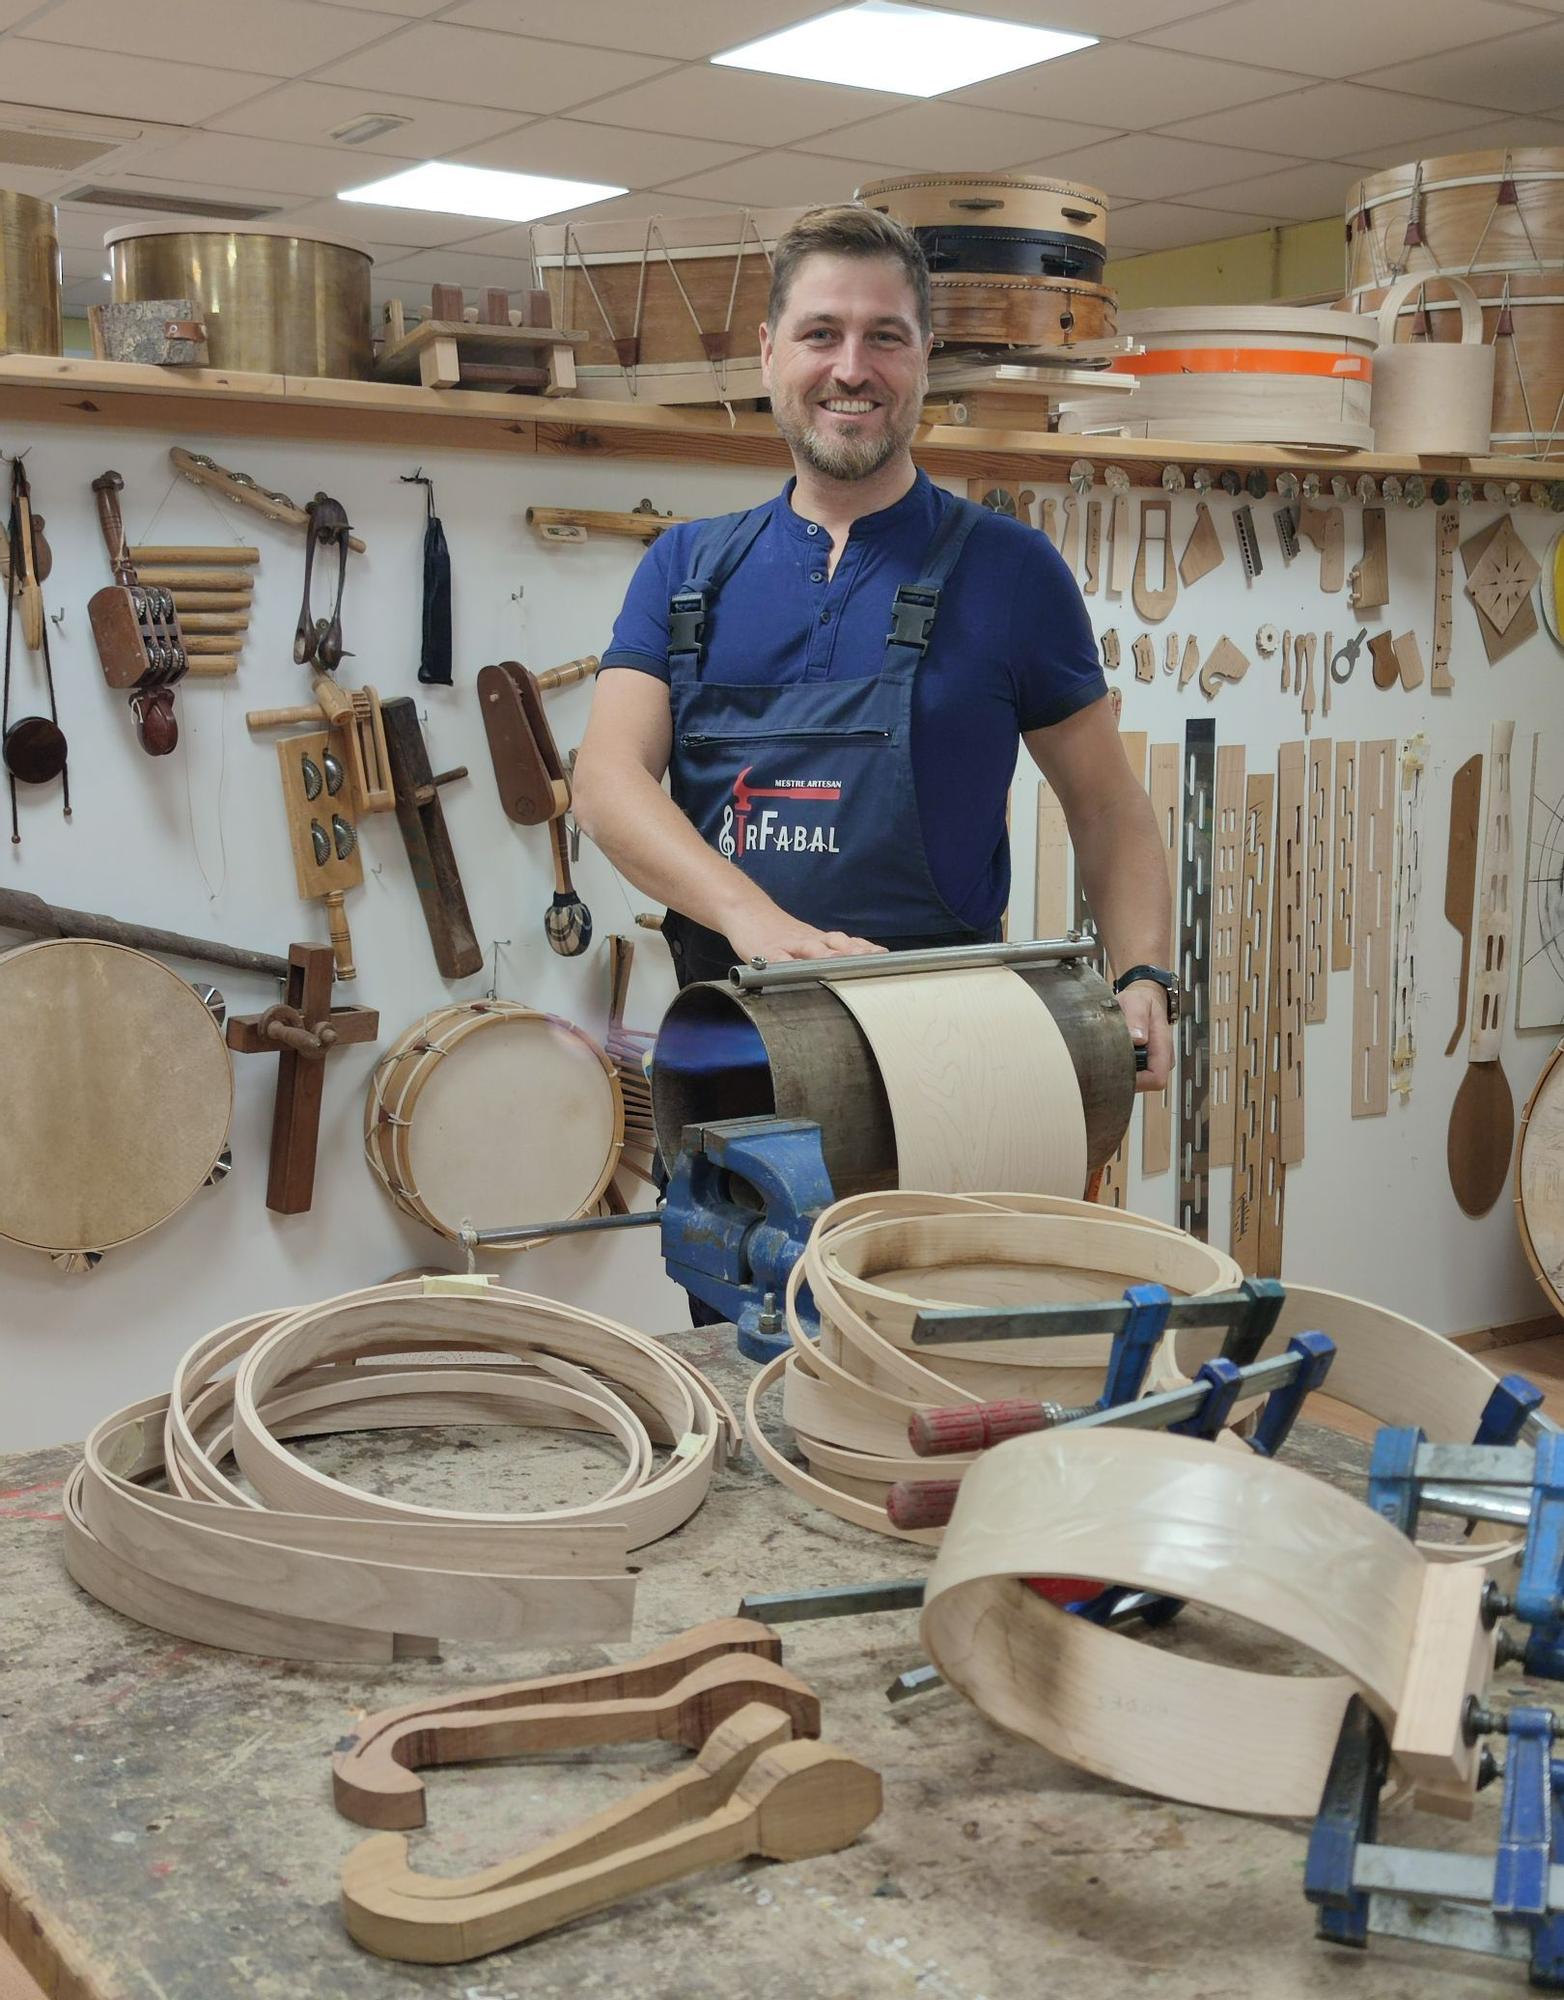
point(845, 458)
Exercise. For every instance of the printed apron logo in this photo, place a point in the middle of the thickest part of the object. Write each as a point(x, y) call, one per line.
point(744, 831)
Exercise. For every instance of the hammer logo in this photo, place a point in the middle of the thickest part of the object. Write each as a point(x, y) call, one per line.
point(743, 834)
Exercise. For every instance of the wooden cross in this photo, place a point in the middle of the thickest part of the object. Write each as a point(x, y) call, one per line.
point(302, 1029)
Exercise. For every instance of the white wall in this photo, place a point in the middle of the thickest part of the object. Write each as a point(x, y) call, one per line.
point(197, 843)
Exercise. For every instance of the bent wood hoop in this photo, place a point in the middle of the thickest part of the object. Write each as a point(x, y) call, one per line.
point(1539, 1179)
point(488, 1114)
point(116, 1089)
point(997, 201)
point(970, 310)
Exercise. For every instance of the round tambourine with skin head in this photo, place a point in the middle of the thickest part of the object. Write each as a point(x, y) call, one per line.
point(117, 1091)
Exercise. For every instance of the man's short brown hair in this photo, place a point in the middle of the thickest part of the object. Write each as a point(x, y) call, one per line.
point(847, 230)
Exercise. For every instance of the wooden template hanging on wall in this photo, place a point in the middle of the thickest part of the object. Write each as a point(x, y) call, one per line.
point(1466, 802)
point(1156, 1138)
point(1316, 915)
point(1253, 982)
point(1482, 1118)
point(1447, 535)
point(1376, 816)
point(1539, 963)
point(1344, 856)
point(1500, 595)
point(1287, 947)
point(1409, 883)
point(1226, 887)
point(1193, 1034)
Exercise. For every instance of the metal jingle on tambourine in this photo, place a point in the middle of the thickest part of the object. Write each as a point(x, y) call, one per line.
point(336, 773)
point(345, 836)
point(321, 842)
point(34, 750)
point(309, 772)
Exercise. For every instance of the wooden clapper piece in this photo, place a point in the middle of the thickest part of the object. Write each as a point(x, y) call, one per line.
point(791, 1801)
point(354, 717)
point(322, 831)
point(534, 788)
point(430, 855)
point(380, 1790)
point(302, 1030)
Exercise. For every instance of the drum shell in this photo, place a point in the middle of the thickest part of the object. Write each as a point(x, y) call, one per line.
point(797, 1052)
point(273, 303)
point(1539, 1179)
point(626, 266)
point(1000, 201)
point(972, 311)
point(1019, 253)
point(1464, 226)
point(29, 275)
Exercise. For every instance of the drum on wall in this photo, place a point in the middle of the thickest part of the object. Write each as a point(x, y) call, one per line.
point(671, 305)
point(1539, 1179)
point(489, 1115)
point(1496, 219)
point(117, 1090)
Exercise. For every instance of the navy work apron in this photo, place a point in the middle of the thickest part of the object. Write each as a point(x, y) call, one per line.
point(808, 786)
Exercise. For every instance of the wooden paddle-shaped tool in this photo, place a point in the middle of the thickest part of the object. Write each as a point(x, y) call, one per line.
point(1482, 1119)
point(794, 1801)
point(534, 787)
point(1466, 796)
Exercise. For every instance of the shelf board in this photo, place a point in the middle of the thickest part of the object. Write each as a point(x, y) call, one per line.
point(219, 402)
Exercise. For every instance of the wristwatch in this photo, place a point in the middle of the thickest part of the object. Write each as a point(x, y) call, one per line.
point(1160, 975)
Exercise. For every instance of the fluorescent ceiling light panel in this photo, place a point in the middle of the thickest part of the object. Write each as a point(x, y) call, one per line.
point(916, 51)
point(449, 190)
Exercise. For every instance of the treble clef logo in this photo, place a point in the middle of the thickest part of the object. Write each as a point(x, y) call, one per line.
point(727, 847)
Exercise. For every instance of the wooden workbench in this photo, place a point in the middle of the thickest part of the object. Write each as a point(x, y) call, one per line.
point(166, 1828)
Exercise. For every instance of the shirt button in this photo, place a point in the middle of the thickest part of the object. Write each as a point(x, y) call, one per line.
point(813, 530)
point(817, 576)
point(825, 618)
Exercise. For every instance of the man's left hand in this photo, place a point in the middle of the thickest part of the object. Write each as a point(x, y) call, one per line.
point(1145, 1007)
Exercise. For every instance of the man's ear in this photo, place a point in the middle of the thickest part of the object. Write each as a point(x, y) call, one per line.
point(765, 354)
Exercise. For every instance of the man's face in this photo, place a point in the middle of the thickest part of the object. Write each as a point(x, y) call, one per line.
point(845, 366)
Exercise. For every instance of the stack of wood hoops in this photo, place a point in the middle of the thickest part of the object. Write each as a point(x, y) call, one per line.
point(298, 1565)
point(875, 1260)
point(1495, 219)
point(1015, 260)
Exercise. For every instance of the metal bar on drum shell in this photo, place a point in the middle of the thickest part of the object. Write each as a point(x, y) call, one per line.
point(880, 965)
point(583, 1225)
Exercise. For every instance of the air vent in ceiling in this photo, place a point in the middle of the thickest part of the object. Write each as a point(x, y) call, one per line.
point(170, 204)
point(51, 149)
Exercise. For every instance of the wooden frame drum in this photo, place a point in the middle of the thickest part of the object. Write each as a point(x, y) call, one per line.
point(489, 1115)
point(1539, 1179)
point(996, 201)
point(117, 1090)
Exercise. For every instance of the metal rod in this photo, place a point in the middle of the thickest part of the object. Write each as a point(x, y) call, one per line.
point(585, 1225)
point(1477, 1503)
point(841, 1600)
point(878, 965)
point(955, 1325)
point(1154, 1413)
point(20, 911)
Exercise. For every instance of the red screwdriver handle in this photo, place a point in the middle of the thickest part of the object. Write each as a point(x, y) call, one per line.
point(921, 1503)
point(974, 1426)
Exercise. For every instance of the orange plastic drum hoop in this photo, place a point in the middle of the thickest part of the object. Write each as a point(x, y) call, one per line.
point(117, 1091)
point(488, 1115)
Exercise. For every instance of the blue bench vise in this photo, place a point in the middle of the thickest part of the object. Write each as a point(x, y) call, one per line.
point(742, 1198)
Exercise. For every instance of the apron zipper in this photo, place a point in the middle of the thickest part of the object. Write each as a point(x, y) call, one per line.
point(688, 742)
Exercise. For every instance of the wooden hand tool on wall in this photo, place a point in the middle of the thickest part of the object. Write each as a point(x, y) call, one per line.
point(30, 914)
point(301, 1031)
point(212, 590)
point(136, 628)
point(242, 491)
point(792, 1801)
point(354, 718)
point(534, 789)
point(430, 855)
point(324, 836)
point(31, 563)
point(575, 524)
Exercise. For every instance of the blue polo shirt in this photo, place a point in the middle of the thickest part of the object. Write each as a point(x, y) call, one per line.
point(1012, 651)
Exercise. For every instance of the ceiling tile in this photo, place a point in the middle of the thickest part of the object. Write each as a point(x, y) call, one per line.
point(933, 138)
point(39, 181)
point(776, 180)
point(411, 10)
point(1089, 17)
point(88, 292)
point(79, 264)
point(1145, 166)
point(1517, 73)
point(598, 153)
point(306, 113)
point(1338, 38)
point(515, 241)
point(1127, 86)
point(284, 36)
point(1329, 120)
point(693, 28)
point(1296, 194)
point(71, 79)
point(738, 106)
point(409, 278)
point(12, 11)
point(232, 162)
point(1495, 132)
point(468, 66)
point(410, 228)
point(1166, 225)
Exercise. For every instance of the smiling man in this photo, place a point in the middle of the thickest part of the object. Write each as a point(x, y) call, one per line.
point(836, 683)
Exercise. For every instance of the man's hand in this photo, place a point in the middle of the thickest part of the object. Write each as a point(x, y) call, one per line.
point(776, 937)
point(1145, 1008)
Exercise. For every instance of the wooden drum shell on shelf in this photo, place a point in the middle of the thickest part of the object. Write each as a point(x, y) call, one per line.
point(492, 1115)
point(1003, 201)
point(980, 311)
point(1539, 1179)
point(117, 1089)
point(1465, 227)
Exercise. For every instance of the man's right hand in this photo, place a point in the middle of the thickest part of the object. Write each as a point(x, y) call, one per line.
point(776, 937)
